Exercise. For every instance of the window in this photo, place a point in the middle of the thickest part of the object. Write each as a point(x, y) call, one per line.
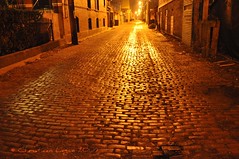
point(97, 6)
point(89, 3)
point(97, 22)
point(89, 24)
point(41, 4)
point(104, 3)
point(103, 21)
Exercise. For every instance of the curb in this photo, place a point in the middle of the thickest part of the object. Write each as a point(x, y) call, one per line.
point(19, 56)
point(28, 53)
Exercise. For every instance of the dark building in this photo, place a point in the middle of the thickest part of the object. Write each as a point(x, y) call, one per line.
point(170, 17)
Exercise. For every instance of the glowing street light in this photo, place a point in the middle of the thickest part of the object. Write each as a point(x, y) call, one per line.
point(140, 3)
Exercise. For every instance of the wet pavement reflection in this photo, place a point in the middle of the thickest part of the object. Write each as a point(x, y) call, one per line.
point(126, 97)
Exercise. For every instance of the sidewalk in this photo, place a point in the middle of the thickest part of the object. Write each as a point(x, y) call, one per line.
point(19, 58)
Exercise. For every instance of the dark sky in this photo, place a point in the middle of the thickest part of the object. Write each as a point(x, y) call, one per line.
point(133, 4)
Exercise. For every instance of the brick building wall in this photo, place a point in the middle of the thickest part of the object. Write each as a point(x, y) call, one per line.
point(170, 17)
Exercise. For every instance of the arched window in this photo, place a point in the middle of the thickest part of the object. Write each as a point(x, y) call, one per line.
point(97, 5)
point(97, 22)
point(89, 23)
point(103, 21)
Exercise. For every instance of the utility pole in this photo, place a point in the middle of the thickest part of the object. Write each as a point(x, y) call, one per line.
point(74, 38)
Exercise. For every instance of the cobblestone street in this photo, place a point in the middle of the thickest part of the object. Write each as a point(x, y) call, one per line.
point(128, 92)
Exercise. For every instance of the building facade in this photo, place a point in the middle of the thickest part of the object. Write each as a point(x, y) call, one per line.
point(170, 15)
point(175, 18)
point(216, 27)
point(126, 11)
point(116, 11)
point(187, 22)
point(90, 15)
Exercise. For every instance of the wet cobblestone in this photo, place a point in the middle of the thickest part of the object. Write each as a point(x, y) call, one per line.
point(126, 93)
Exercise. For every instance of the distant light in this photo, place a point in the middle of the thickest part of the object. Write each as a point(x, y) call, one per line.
point(140, 3)
point(139, 10)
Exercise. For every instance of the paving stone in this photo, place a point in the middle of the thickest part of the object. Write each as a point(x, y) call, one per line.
point(27, 141)
point(123, 94)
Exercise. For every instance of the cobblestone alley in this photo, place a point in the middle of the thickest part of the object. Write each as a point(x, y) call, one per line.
point(129, 92)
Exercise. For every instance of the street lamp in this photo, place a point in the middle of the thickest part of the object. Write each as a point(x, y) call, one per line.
point(140, 3)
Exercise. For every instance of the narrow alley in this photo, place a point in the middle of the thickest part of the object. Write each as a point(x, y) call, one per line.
point(129, 92)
